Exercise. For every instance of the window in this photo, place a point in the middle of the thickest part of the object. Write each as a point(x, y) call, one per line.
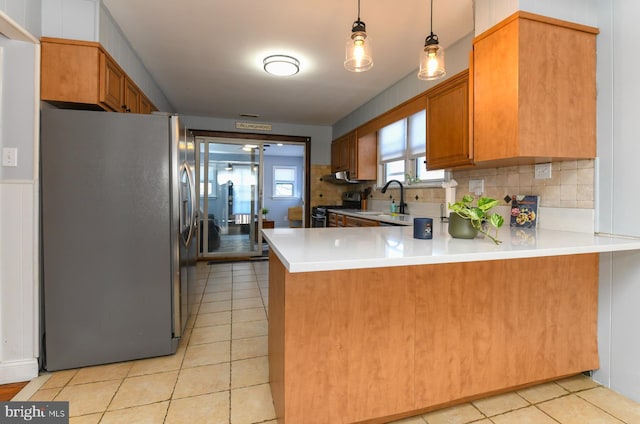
point(284, 181)
point(402, 145)
point(212, 178)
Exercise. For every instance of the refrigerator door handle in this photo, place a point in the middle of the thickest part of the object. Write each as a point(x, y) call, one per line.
point(192, 195)
point(187, 220)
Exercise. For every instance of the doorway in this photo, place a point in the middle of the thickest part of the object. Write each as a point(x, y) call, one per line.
point(232, 196)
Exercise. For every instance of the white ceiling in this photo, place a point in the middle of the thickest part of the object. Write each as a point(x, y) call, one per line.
point(206, 55)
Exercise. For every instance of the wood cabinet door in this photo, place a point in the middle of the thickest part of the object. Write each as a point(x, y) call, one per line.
point(111, 84)
point(365, 165)
point(448, 141)
point(69, 72)
point(534, 82)
point(352, 221)
point(145, 105)
point(341, 152)
point(131, 97)
point(335, 156)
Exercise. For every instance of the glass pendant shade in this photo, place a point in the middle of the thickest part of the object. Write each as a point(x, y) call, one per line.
point(432, 56)
point(358, 57)
point(431, 62)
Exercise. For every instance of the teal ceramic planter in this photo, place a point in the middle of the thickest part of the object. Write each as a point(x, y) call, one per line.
point(460, 227)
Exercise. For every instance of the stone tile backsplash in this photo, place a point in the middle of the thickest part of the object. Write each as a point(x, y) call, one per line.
point(570, 186)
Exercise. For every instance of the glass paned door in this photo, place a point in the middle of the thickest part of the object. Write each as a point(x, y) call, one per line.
point(229, 193)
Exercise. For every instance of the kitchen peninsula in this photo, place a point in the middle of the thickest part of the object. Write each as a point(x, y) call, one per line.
point(371, 325)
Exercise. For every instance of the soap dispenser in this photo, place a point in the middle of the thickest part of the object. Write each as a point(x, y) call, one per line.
point(393, 208)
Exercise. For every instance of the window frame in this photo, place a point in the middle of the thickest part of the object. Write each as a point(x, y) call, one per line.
point(292, 182)
point(411, 165)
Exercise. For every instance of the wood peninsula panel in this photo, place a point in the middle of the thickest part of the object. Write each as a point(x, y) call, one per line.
point(277, 274)
point(348, 345)
point(487, 326)
point(370, 345)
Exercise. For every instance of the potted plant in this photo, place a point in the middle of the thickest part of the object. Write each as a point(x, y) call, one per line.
point(466, 213)
point(264, 212)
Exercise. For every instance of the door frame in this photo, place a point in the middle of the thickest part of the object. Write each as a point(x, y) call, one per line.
point(273, 138)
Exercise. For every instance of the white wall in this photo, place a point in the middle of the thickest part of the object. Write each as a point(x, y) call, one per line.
point(90, 20)
point(112, 38)
point(19, 123)
point(457, 60)
point(73, 19)
point(617, 197)
point(25, 13)
point(320, 135)
point(489, 13)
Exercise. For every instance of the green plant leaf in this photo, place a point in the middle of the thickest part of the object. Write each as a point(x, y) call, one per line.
point(467, 198)
point(486, 203)
point(476, 214)
point(497, 220)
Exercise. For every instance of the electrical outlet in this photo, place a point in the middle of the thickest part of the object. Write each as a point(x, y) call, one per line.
point(476, 187)
point(542, 171)
point(9, 156)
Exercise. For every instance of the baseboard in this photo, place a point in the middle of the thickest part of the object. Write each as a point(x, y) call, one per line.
point(16, 371)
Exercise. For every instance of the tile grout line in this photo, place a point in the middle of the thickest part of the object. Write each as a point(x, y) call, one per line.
point(596, 406)
point(187, 343)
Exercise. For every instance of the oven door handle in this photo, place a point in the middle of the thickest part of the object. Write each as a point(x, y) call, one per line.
point(322, 218)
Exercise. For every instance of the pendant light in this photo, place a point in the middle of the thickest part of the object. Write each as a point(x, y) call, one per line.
point(432, 56)
point(358, 51)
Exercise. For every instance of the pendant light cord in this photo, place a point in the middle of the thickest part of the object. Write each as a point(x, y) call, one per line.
point(359, 9)
point(431, 17)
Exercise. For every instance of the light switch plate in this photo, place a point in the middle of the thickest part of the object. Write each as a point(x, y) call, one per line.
point(542, 171)
point(9, 156)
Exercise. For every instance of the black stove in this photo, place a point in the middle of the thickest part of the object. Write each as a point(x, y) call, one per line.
point(350, 200)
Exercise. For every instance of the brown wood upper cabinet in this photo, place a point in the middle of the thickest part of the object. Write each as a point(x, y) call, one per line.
point(82, 75)
point(448, 142)
point(341, 149)
point(357, 154)
point(534, 91)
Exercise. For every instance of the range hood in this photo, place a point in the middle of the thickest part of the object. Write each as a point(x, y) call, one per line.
point(341, 177)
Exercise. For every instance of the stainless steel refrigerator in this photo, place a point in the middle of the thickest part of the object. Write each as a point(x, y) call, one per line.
point(118, 222)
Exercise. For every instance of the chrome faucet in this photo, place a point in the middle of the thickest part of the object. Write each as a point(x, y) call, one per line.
point(402, 204)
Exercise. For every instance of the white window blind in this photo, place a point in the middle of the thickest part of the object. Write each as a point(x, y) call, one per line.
point(417, 134)
point(402, 146)
point(392, 141)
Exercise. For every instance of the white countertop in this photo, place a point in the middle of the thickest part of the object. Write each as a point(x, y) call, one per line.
point(326, 249)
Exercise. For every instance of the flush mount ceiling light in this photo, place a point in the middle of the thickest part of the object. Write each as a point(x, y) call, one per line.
point(358, 56)
point(229, 167)
point(249, 147)
point(281, 65)
point(432, 56)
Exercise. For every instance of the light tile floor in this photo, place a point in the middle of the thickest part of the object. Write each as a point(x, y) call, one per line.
point(220, 374)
